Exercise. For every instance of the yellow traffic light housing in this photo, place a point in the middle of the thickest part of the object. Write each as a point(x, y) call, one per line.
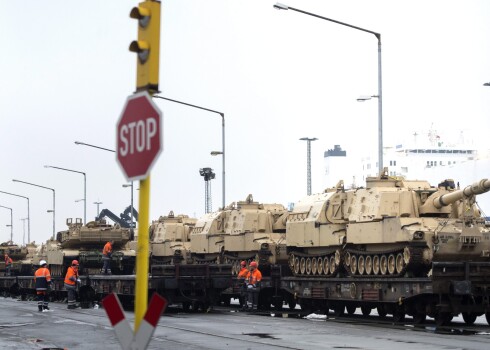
point(147, 47)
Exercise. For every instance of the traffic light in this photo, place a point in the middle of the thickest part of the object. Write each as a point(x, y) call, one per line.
point(147, 47)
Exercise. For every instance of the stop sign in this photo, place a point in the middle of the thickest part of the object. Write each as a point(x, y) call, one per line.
point(139, 136)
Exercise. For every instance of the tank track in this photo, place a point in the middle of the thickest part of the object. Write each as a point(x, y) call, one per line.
point(385, 263)
point(326, 264)
point(235, 261)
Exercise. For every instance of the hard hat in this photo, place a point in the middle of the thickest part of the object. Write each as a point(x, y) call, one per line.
point(243, 263)
point(253, 264)
point(74, 262)
point(43, 262)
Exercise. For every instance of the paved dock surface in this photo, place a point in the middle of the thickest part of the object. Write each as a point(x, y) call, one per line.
point(23, 327)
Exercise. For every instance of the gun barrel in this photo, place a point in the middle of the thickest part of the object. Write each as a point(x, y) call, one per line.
point(479, 187)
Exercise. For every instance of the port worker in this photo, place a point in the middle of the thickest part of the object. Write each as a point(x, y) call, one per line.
point(253, 279)
point(42, 279)
point(106, 257)
point(8, 264)
point(71, 280)
point(242, 274)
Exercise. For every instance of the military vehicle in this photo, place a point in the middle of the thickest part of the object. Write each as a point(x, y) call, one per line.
point(393, 227)
point(18, 254)
point(170, 239)
point(245, 230)
point(85, 242)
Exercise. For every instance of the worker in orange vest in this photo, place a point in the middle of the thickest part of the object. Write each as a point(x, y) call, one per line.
point(253, 279)
point(71, 280)
point(42, 279)
point(106, 258)
point(8, 264)
point(242, 274)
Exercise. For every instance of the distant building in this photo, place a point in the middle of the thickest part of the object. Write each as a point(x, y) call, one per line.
point(425, 157)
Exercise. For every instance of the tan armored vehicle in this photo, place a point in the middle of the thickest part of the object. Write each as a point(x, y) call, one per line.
point(170, 239)
point(85, 243)
point(245, 230)
point(18, 255)
point(393, 227)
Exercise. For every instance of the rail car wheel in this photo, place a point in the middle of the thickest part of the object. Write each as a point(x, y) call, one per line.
point(366, 310)
point(419, 318)
point(353, 264)
point(381, 311)
point(302, 265)
point(314, 266)
point(376, 265)
point(326, 265)
point(308, 266)
point(332, 265)
point(469, 318)
point(400, 263)
point(338, 310)
point(361, 265)
point(383, 264)
point(320, 266)
point(443, 318)
point(351, 309)
point(391, 264)
point(296, 266)
point(368, 264)
point(487, 316)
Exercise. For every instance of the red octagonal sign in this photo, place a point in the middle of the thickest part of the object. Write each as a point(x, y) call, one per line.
point(139, 136)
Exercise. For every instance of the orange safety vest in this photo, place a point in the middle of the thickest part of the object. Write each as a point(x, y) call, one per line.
point(42, 277)
point(8, 261)
point(107, 249)
point(253, 277)
point(71, 276)
point(243, 273)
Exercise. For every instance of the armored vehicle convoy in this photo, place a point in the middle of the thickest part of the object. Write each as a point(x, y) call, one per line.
point(170, 239)
point(18, 254)
point(393, 227)
point(85, 242)
point(245, 230)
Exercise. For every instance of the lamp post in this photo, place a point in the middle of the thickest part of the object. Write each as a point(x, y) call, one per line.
point(130, 185)
point(98, 212)
point(84, 187)
point(24, 229)
point(108, 150)
point(308, 163)
point(222, 153)
point(11, 223)
point(28, 215)
point(54, 199)
point(280, 6)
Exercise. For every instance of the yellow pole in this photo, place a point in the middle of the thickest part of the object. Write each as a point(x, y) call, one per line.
point(142, 254)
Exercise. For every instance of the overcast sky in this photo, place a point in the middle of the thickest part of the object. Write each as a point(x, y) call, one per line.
point(277, 75)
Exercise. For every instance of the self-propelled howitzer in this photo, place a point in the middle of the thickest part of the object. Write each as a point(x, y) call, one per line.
point(393, 227)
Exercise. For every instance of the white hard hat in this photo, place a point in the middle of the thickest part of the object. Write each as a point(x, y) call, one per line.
point(43, 262)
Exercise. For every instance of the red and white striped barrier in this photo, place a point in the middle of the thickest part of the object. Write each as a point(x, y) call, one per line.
point(121, 326)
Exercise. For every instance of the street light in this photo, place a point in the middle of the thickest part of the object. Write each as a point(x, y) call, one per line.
point(113, 151)
point(130, 185)
point(308, 163)
point(11, 223)
point(28, 217)
point(84, 187)
point(24, 229)
point(54, 199)
point(222, 138)
point(280, 6)
point(98, 212)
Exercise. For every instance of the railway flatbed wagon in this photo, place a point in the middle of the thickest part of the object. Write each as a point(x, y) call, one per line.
point(453, 288)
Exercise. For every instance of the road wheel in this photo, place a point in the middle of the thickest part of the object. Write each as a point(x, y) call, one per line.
point(391, 264)
point(376, 265)
point(383, 264)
